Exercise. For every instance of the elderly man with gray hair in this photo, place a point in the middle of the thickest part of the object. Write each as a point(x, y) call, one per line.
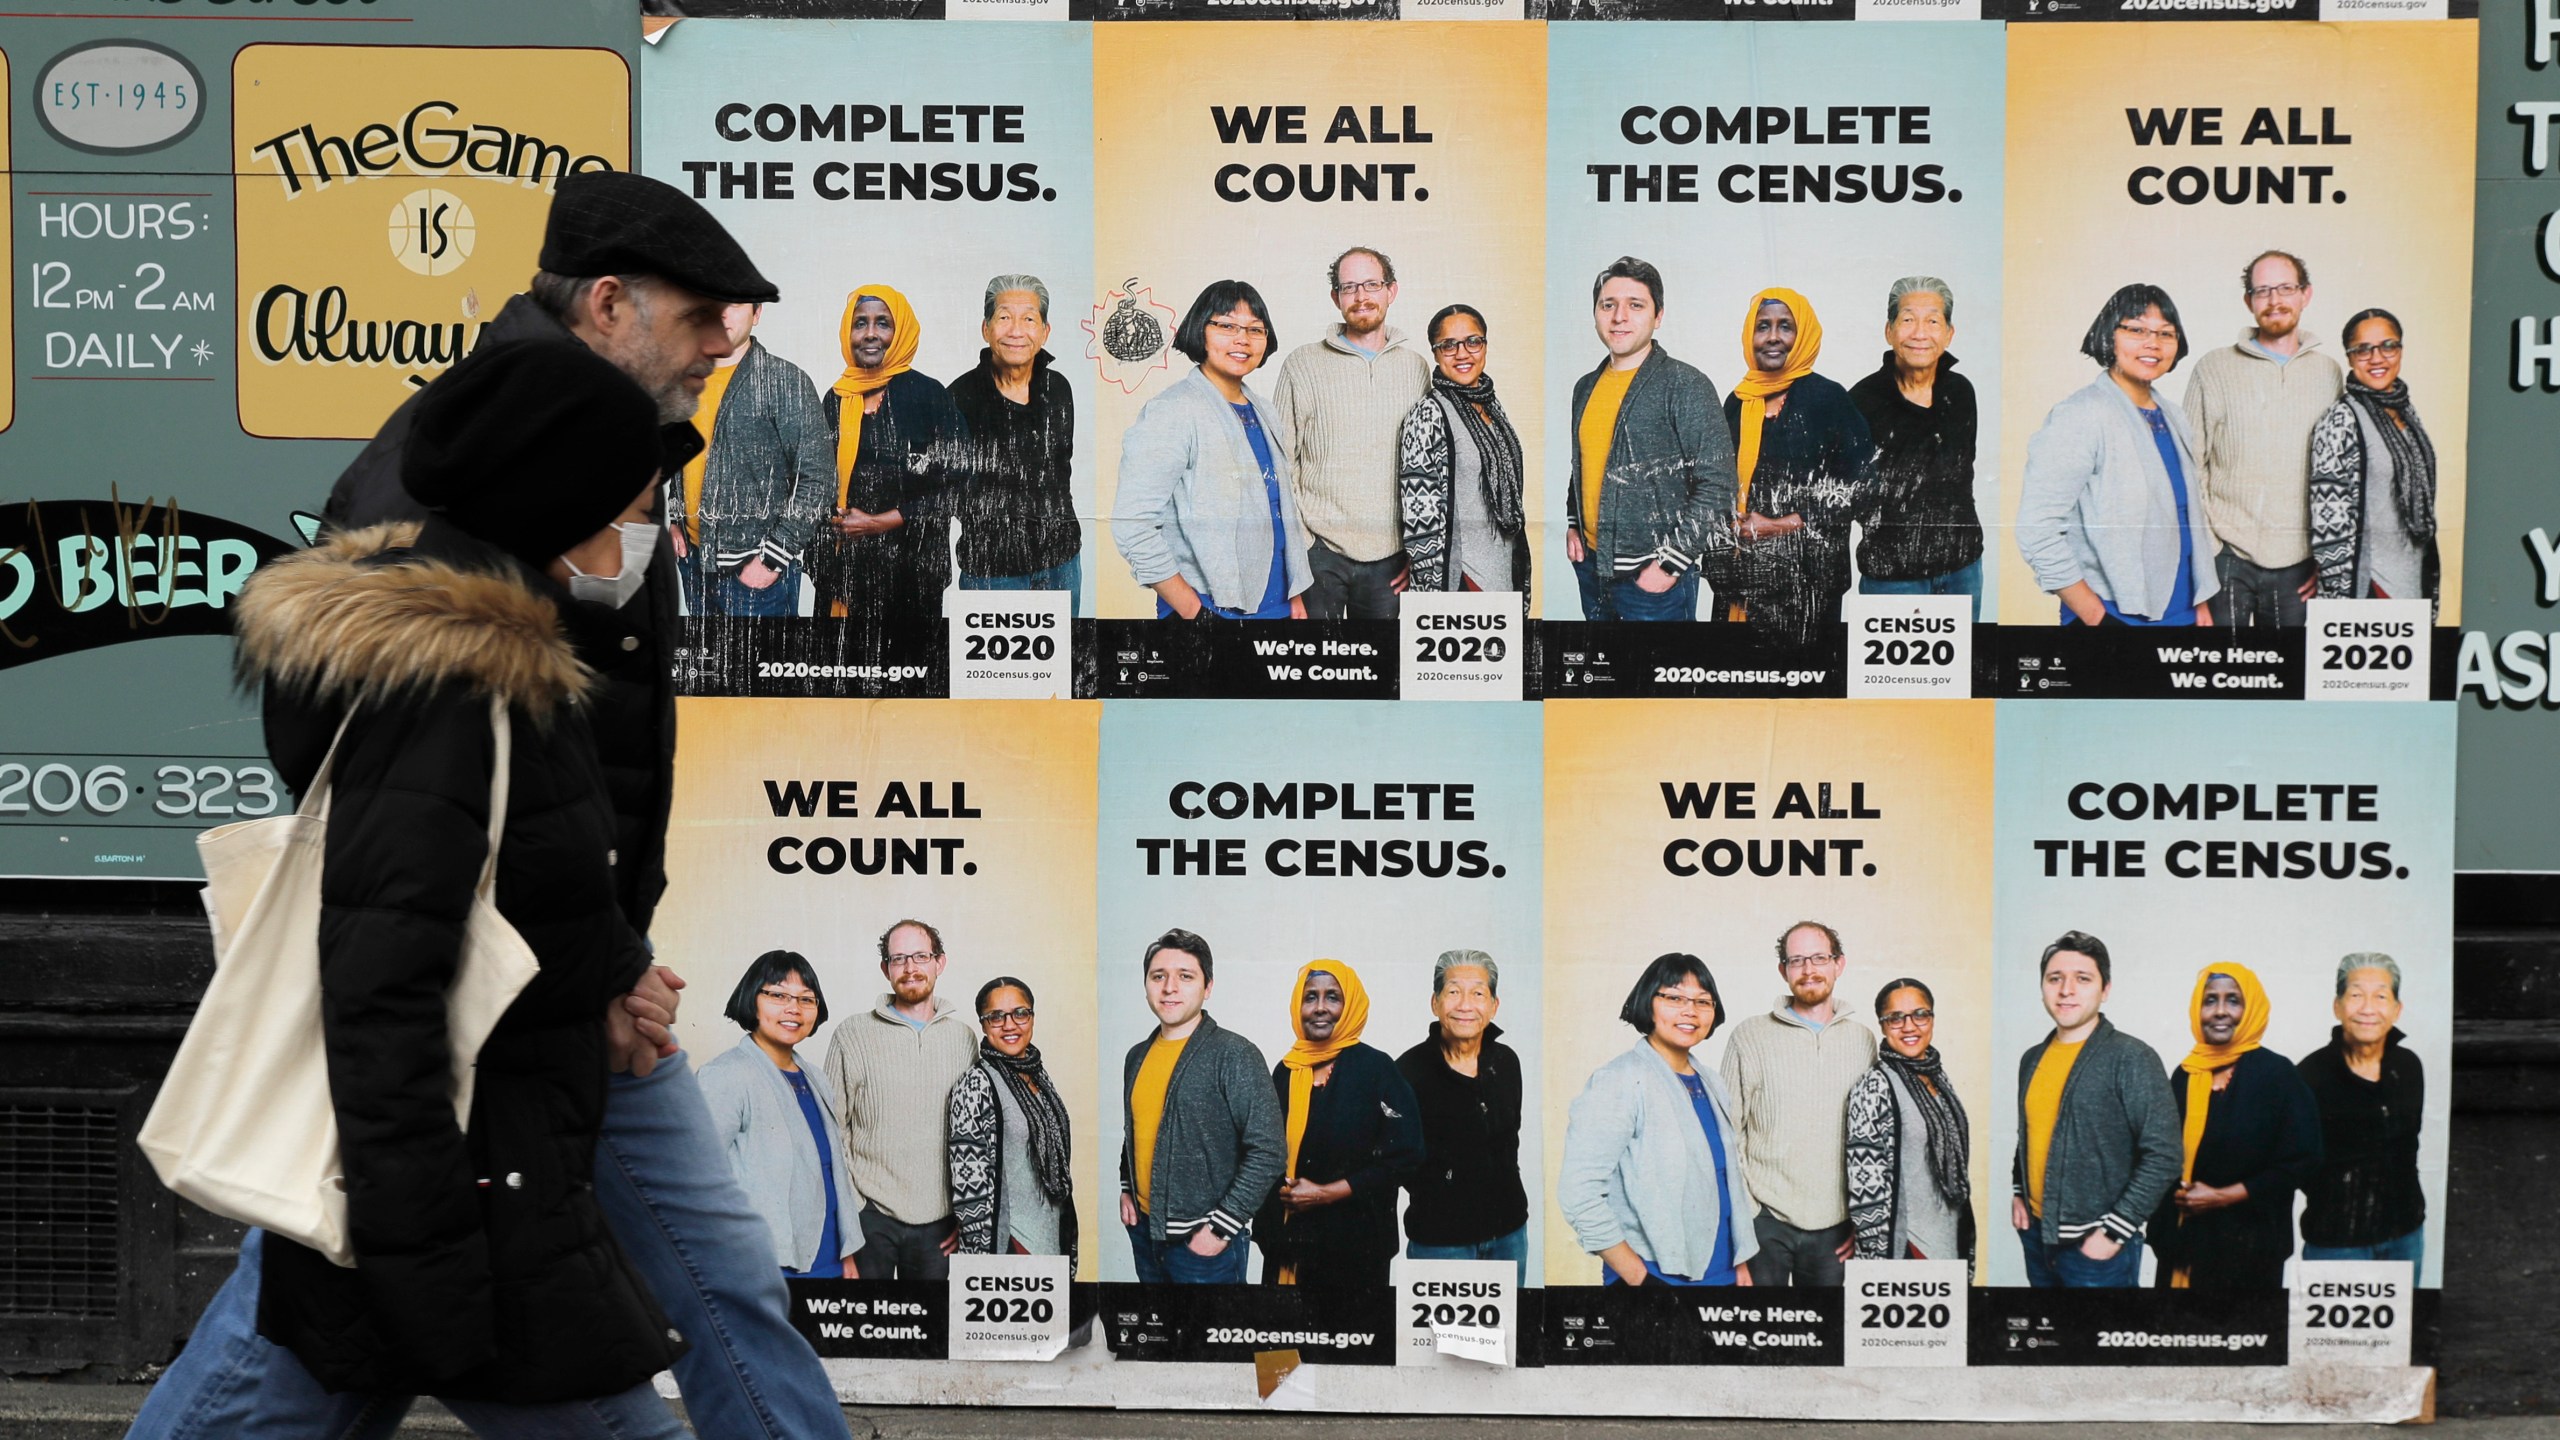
point(2365, 1203)
point(1467, 1199)
point(1923, 535)
point(1018, 526)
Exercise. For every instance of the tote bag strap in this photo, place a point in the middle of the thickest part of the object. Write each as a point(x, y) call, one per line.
point(502, 734)
point(315, 796)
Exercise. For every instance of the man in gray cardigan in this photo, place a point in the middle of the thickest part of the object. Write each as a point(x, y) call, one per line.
point(1201, 1141)
point(743, 509)
point(2099, 1140)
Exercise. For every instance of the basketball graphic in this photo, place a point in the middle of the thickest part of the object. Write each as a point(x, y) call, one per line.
point(431, 232)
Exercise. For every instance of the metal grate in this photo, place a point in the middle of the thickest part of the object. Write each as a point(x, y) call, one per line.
point(58, 1210)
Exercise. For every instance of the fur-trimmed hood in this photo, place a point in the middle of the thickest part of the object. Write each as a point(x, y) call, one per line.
point(345, 622)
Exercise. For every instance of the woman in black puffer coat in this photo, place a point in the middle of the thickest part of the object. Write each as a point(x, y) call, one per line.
point(484, 1272)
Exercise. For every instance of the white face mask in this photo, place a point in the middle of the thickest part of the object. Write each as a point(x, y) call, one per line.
point(639, 542)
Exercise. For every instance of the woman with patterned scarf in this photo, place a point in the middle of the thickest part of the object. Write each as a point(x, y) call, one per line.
point(2373, 478)
point(1012, 1156)
point(1460, 472)
point(2251, 1137)
point(1910, 1147)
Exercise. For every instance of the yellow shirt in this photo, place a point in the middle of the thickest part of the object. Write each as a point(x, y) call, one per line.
point(700, 465)
point(1146, 1107)
point(1599, 427)
point(2044, 1107)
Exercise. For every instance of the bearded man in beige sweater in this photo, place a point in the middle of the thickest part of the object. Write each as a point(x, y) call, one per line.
point(2253, 405)
point(1790, 1072)
point(1342, 402)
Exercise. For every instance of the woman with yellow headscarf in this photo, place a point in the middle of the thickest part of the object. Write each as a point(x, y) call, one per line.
point(2251, 1133)
point(882, 556)
point(1353, 1132)
point(1806, 465)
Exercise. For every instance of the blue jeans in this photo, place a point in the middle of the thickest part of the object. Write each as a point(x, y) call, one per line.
point(1068, 575)
point(1513, 1247)
point(1619, 597)
point(2063, 1267)
point(2411, 1247)
point(1172, 1262)
point(726, 594)
point(667, 1192)
point(1966, 582)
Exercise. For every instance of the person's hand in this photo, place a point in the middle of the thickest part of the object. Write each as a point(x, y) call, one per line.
point(852, 1271)
point(1848, 1248)
point(1654, 580)
point(1404, 578)
point(1206, 1243)
point(950, 1241)
point(1297, 607)
point(638, 1031)
point(1762, 527)
point(859, 523)
point(1625, 1263)
point(2084, 603)
point(2019, 1219)
point(2309, 589)
point(624, 1051)
point(675, 536)
point(757, 575)
point(1128, 1208)
point(1741, 1274)
point(2101, 1246)
point(1573, 550)
point(2204, 616)
point(2198, 1199)
point(1302, 1194)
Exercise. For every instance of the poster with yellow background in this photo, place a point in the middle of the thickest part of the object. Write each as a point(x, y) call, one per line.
point(1712, 830)
point(390, 199)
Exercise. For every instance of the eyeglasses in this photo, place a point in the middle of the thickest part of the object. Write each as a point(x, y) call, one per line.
point(912, 960)
point(1365, 289)
point(2378, 347)
point(1799, 962)
point(1232, 329)
point(1472, 344)
point(2148, 332)
point(798, 999)
point(1019, 1015)
point(2264, 293)
point(1900, 1018)
point(1681, 1000)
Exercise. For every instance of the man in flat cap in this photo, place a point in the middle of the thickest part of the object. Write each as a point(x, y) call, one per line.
point(641, 274)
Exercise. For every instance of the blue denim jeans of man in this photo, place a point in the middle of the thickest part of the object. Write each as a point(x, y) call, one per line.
point(2411, 1247)
point(664, 1183)
point(726, 594)
point(1966, 582)
point(1067, 575)
point(1619, 597)
point(2065, 1267)
point(1513, 1247)
point(1174, 1262)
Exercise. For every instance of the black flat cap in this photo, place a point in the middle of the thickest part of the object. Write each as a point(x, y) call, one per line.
point(531, 445)
point(612, 222)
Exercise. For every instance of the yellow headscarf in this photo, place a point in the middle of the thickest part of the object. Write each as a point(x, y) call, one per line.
point(856, 382)
point(1306, 1055)
point(1756, 386)
point(2202, 1061)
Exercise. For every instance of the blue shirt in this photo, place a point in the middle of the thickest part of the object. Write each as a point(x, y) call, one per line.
point(830, 1238)
point(2182, 595)
point(1719, 1264)
point(1275, 590)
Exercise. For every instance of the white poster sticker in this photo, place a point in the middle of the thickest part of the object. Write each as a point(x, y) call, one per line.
point(1008, 1307)
point(1457, 1312)
point(1910, 647)
point(1904, 1313)
point(1010, 644)
point(1461, 645)
point(2351, 1312)
point(2367, 649)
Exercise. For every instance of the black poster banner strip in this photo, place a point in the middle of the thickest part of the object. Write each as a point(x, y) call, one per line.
point(1621, 660)
point(2128, 1327)
point(2141, 662)
point(1232, 1323)
point(873, 1319)
point(2225, 10)
point(1245, 659)
point(798, 657)
point(1689, 1325)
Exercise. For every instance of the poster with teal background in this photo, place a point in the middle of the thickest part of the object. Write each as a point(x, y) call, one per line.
point(1831, 160)
point(1380, 836)
point(2182, 834)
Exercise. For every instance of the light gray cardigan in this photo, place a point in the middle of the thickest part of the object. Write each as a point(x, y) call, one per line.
point(1191, 502)
point(2095, 502)
point(767, 1140)
point(1637, 1167)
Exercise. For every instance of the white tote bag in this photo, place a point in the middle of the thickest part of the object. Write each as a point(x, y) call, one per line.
point(243, 1124)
